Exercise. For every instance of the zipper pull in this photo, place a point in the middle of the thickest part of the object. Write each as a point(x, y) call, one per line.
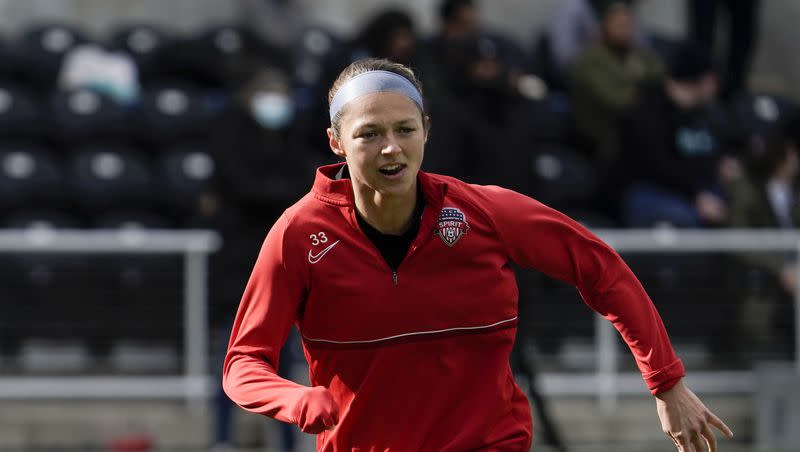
point(394, 277)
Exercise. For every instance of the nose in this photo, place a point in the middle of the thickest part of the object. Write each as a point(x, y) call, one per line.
point(391, 146)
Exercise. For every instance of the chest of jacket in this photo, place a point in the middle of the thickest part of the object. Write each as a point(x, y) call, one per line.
point(455, 277)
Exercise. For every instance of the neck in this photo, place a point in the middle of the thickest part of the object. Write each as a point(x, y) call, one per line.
point(389, 214)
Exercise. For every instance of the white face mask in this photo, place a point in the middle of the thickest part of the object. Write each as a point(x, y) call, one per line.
point(272, 110)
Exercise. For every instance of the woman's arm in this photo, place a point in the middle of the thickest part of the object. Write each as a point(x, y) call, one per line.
point(267, 312)
point(539, 237)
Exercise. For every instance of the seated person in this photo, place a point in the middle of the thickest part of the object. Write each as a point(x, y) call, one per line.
point(767, 198)
point(673, 150)
point(575, 25)
point(606, 78)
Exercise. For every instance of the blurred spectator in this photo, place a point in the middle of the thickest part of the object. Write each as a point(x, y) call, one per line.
point(742, 33)
point(606, 79)
point(460, 29)
point(458, 19)
point(478, 76)
point(260, 169)
point(479, 139)
point(390, 34)
point(278, 22)
point(673, 147)
point(767, 198)
point(576, 25)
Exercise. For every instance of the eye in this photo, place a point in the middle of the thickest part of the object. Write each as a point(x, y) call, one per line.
point(407, 130)
point(367, 135)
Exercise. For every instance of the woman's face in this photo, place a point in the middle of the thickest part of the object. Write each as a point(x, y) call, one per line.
point(382, 137)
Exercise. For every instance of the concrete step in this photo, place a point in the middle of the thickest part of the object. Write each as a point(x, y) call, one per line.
point(88, 425)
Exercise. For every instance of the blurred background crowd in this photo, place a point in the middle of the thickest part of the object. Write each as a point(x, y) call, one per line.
point(221, 128)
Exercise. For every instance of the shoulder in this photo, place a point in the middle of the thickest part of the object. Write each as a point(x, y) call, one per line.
point(491, 201)
point(302, 215)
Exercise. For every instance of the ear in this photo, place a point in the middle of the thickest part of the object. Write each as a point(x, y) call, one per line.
point(333, 142)
point(427, 127)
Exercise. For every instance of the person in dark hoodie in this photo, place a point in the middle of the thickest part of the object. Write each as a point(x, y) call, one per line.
point(673, 148)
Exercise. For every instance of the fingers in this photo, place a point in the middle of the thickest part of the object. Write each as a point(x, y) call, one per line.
point(681, 442)
point(710, 438)
point(698, 443)
point(719, 425)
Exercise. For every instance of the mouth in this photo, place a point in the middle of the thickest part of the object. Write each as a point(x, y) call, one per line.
point(394, 169)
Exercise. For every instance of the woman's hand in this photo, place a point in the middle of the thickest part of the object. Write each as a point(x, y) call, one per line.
point(317, 411)
point(687, 421)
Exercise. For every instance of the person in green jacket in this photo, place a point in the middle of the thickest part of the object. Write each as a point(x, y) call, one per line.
point(606, 77)
point(766, 197)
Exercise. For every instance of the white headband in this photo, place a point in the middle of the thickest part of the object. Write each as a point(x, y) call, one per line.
point(373, 82)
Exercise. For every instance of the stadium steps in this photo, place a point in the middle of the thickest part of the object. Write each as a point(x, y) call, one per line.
point(88, 425)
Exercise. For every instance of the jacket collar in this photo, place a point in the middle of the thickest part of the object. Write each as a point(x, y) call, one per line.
point(340, 192)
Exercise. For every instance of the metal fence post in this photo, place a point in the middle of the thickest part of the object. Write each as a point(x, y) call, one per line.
point(606, 356)
point(195, 330)
point(797, 313)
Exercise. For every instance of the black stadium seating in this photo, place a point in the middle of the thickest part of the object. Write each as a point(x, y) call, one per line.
point(101, 178)
point(29, 176)
point(83, 116)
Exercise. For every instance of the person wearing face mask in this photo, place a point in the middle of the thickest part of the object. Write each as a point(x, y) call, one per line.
point(260, 168)
point(675, 149)
point(606, 78)
point(260, 165)
point(401, 285)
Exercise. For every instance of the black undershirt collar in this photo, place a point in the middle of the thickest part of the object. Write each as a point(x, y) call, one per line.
point(393, 248)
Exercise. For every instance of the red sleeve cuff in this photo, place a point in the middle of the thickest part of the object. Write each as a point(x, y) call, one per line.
point(665, 378)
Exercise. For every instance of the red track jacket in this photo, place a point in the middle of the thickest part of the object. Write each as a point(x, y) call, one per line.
point(418, 359)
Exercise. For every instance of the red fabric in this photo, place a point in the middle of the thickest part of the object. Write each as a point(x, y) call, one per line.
point(419, 362)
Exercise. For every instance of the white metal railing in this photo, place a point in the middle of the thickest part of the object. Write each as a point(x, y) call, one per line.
point(195, 384)
point(194, 245)
point(669, 240)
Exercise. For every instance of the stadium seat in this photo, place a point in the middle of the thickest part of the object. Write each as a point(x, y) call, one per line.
point(218, 56)
point(47, 289)
point(173, 112)
point(83, 116)
point(102, 177)
point(29, 176)
point(560, 177)
point(130, 219)
point(185, 173)
point(142, 289)
point(41, 48)
point(756, 113)
point(145, 44)
point(20, 113)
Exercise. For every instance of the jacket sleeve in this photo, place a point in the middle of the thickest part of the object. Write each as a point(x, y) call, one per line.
point(266, 313)
point(539, 237)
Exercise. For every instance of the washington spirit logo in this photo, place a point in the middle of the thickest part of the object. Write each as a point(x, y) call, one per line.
point(451, 226)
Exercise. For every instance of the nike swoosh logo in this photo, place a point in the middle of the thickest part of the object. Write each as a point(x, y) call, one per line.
point(314, 258)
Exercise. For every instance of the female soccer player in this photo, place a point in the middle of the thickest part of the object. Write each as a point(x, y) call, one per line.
point(401, 285)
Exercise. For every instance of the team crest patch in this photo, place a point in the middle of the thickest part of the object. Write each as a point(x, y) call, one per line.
point(452, 224)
